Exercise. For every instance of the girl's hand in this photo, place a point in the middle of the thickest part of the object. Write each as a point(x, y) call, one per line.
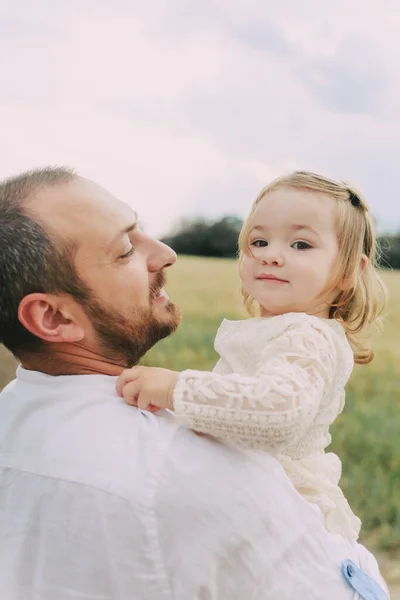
point(149, 388)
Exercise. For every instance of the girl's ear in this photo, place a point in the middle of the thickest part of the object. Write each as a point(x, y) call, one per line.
point(363, 264)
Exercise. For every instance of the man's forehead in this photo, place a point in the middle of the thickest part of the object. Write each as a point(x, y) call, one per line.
point(81, 208)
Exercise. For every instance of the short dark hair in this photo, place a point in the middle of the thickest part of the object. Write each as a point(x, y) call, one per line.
point(31, 260)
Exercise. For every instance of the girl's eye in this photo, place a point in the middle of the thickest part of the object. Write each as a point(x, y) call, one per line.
point(301, 246)
point(259, 243)
point(128, 254)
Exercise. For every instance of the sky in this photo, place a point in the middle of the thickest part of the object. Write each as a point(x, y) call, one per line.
point(184, 108)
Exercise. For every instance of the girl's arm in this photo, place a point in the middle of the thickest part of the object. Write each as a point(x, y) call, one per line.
point(268, 411)
point(272, 409)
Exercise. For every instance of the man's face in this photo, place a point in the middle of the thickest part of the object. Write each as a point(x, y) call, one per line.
point(122, 267)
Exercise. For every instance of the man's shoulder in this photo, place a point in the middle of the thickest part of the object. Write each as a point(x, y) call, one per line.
point(88, 435)
point(81, 434)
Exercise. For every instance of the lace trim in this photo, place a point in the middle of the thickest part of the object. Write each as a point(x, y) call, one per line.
point(276, 407)
point(296, 388)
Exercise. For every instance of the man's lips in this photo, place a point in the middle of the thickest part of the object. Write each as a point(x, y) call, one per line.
point(157, 291)
point(161, 296)
point(266, 277)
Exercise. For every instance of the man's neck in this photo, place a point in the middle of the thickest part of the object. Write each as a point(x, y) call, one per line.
point(71, 359)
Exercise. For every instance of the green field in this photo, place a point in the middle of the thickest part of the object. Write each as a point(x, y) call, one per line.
point(366, 436)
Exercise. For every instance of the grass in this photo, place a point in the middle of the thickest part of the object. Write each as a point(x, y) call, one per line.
point(366, 436)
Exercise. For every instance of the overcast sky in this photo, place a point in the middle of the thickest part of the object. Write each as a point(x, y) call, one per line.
point(184, 107)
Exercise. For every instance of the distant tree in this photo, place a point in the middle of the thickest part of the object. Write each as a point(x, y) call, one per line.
point(390, 249)
point(202, 237)
point(206, 237)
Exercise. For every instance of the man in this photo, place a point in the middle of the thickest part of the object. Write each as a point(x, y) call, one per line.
point(99, 500)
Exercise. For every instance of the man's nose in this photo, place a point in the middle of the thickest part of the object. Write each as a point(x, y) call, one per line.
point(160, 256)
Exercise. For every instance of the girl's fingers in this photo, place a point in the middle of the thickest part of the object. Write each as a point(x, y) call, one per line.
point(127, 376)
point(143, 403)
point(130, 392)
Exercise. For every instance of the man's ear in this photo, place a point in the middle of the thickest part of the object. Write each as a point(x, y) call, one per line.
point(51, 318)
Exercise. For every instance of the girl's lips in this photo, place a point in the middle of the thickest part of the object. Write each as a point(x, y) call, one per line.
point(272, 278)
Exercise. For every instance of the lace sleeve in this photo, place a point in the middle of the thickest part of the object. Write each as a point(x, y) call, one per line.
point(267, 411)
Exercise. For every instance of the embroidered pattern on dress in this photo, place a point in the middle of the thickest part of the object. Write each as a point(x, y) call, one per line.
point(278, 386)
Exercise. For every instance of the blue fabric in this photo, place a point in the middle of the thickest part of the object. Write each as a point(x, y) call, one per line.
point(362, 583)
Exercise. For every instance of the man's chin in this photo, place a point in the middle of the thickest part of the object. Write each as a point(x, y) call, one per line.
point(126, 341)
point(168, 316)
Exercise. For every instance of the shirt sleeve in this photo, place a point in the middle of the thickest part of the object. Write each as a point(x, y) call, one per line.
point(271, 409)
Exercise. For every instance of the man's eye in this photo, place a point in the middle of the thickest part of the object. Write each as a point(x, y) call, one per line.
point(128, 254)
point(301, 246)
point(259, 243)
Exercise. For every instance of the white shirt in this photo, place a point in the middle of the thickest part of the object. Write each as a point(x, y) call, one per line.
point(99, 501)
point(278, 386)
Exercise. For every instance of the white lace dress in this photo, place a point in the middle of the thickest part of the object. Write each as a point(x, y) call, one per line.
point(277, 387)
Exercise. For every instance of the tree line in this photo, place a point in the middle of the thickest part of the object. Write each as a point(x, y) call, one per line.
point(219, 237)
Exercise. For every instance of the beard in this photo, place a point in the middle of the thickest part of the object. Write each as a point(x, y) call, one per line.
point(126, 340)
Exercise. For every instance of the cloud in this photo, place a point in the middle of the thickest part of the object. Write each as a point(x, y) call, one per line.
point(192, 107)
point(351, 80)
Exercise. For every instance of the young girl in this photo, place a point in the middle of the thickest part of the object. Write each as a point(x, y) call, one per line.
point(309, 279)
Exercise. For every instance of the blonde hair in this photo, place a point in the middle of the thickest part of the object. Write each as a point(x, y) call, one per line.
point(362, 298)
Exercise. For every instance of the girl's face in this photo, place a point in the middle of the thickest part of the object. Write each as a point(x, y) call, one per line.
point(291, 252)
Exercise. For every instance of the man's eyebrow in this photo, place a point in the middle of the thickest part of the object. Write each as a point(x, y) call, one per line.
point(128, 229)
